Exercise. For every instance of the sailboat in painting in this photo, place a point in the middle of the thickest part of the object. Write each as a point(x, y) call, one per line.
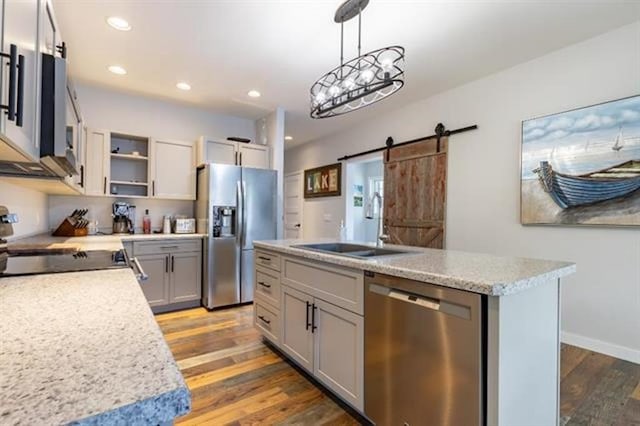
point(571, 191)
point(617, 146)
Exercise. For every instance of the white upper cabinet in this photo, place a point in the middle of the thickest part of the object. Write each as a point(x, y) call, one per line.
point(20, 84)
point(173, 170)
point(97, 173)
point(233, 153)
point(251, 155)
point(219, 152)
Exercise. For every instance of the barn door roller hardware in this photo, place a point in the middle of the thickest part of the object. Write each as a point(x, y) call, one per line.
point(440, 131)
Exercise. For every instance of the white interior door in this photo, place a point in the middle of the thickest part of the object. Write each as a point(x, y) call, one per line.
point(293, 205)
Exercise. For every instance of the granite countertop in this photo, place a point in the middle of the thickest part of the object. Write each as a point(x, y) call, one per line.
point(95, 242)
point(84, 347)
point(475, 272)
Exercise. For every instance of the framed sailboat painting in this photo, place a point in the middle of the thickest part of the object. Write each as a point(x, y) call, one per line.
point(582, 167)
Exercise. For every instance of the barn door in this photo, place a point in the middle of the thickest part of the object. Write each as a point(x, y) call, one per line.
point(415, 189)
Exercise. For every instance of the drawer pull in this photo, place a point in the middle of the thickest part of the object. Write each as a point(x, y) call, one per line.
point(168, 247)
point(263, 284)
point(266, 259)
point(266, 321)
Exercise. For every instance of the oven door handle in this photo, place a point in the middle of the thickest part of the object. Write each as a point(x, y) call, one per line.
point(141, 275)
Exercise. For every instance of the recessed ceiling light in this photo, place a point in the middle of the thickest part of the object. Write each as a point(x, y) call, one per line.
point(288, 138)
point(118, 23)
point(183, 85)
point(117, 69)
point(254, 94)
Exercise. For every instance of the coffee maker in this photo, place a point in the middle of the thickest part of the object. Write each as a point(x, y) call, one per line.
point(124, 216)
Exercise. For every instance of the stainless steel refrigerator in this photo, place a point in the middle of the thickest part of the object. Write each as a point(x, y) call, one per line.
point(234, 207)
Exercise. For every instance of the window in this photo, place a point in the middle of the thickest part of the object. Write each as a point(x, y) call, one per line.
point(376, 184)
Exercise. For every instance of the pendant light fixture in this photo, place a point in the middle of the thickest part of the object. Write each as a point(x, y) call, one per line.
point(361, 81)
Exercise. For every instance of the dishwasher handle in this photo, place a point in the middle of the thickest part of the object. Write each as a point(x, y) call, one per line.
point(422, 301)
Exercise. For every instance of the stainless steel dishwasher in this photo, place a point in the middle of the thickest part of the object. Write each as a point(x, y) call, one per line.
point(423, 353)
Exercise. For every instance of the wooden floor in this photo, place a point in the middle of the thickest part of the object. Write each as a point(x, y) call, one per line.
point(235, 379)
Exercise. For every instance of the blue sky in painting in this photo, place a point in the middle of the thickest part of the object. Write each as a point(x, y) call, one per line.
point(580, 141)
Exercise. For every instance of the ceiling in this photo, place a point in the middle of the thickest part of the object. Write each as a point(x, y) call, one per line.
point(223, 49)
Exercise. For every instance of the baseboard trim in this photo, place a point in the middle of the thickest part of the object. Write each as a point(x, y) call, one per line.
point(606, 348)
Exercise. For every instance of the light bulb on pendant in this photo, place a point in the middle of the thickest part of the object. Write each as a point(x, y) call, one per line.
point(367, 75)
point(320, 98)
point(349, 84)
point(334, 91)
point(387, 64)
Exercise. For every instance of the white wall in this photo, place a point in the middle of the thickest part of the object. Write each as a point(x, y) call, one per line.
point(106, 109)
point(29, 205)
point(601, 303)
point(100, 209)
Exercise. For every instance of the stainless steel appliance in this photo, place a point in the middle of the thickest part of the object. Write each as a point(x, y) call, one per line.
point(423, 353)
point(122, 218)
point(235, 206)
point(57, 151)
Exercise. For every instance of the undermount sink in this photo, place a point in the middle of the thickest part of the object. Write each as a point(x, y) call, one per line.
point(351, 250)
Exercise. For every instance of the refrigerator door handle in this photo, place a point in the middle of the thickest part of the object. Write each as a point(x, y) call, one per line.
point(239, 213)
point(243, 240)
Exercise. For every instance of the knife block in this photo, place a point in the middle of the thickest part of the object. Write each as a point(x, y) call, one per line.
point(67, 229)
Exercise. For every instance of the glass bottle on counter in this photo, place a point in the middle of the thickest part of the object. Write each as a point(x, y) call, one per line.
point(146, 222)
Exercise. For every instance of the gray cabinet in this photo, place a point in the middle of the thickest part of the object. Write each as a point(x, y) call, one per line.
point(156, 288)
point(20, 29)
point(175, 273)
point(186, 281)
point(296, 334)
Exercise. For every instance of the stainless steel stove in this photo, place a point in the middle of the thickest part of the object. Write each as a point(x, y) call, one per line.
point(41, 262)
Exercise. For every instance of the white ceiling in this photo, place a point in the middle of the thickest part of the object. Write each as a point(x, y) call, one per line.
point(225, 48)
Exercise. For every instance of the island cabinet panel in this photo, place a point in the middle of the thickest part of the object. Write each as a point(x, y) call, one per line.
point(267, 319)
point(343, 287)
point(156, 288)
point(339, 351)
point(296, 336)
point(267, 285)
point(268, 259)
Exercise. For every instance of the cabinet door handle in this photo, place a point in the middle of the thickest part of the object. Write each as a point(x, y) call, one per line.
point(11, 102)
point(236, 158)
point(308, 324)
point(20, 101)
point(263, 284)
point(105, 185)
point(267, 259)
point(266, 321)
point(81, 176)
point(313, 318)
point(166, 264)
point(153, 188)
point(240, 153)
point(173, 263)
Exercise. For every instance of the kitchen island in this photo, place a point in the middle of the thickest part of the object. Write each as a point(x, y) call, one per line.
point(84, 347)
point(496, 356)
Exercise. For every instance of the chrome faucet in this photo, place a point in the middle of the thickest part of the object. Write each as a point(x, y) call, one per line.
point(380, 236)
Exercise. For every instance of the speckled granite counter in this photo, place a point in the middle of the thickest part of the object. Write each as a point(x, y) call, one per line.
point(95, 242)
point(84, 348)
point(476, 272)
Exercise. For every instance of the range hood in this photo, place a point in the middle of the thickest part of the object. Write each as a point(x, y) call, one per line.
point(56, 150)
point(16, 164)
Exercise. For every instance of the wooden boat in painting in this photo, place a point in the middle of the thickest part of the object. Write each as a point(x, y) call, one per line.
point(571, 191)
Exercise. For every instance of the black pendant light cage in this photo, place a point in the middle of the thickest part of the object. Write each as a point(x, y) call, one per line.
point(362, 81)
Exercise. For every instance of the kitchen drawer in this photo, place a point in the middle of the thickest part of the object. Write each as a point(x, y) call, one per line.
point(267, 319)
point(268, 260)
point(166, 246)
point(267, 285)
point(344, 287)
